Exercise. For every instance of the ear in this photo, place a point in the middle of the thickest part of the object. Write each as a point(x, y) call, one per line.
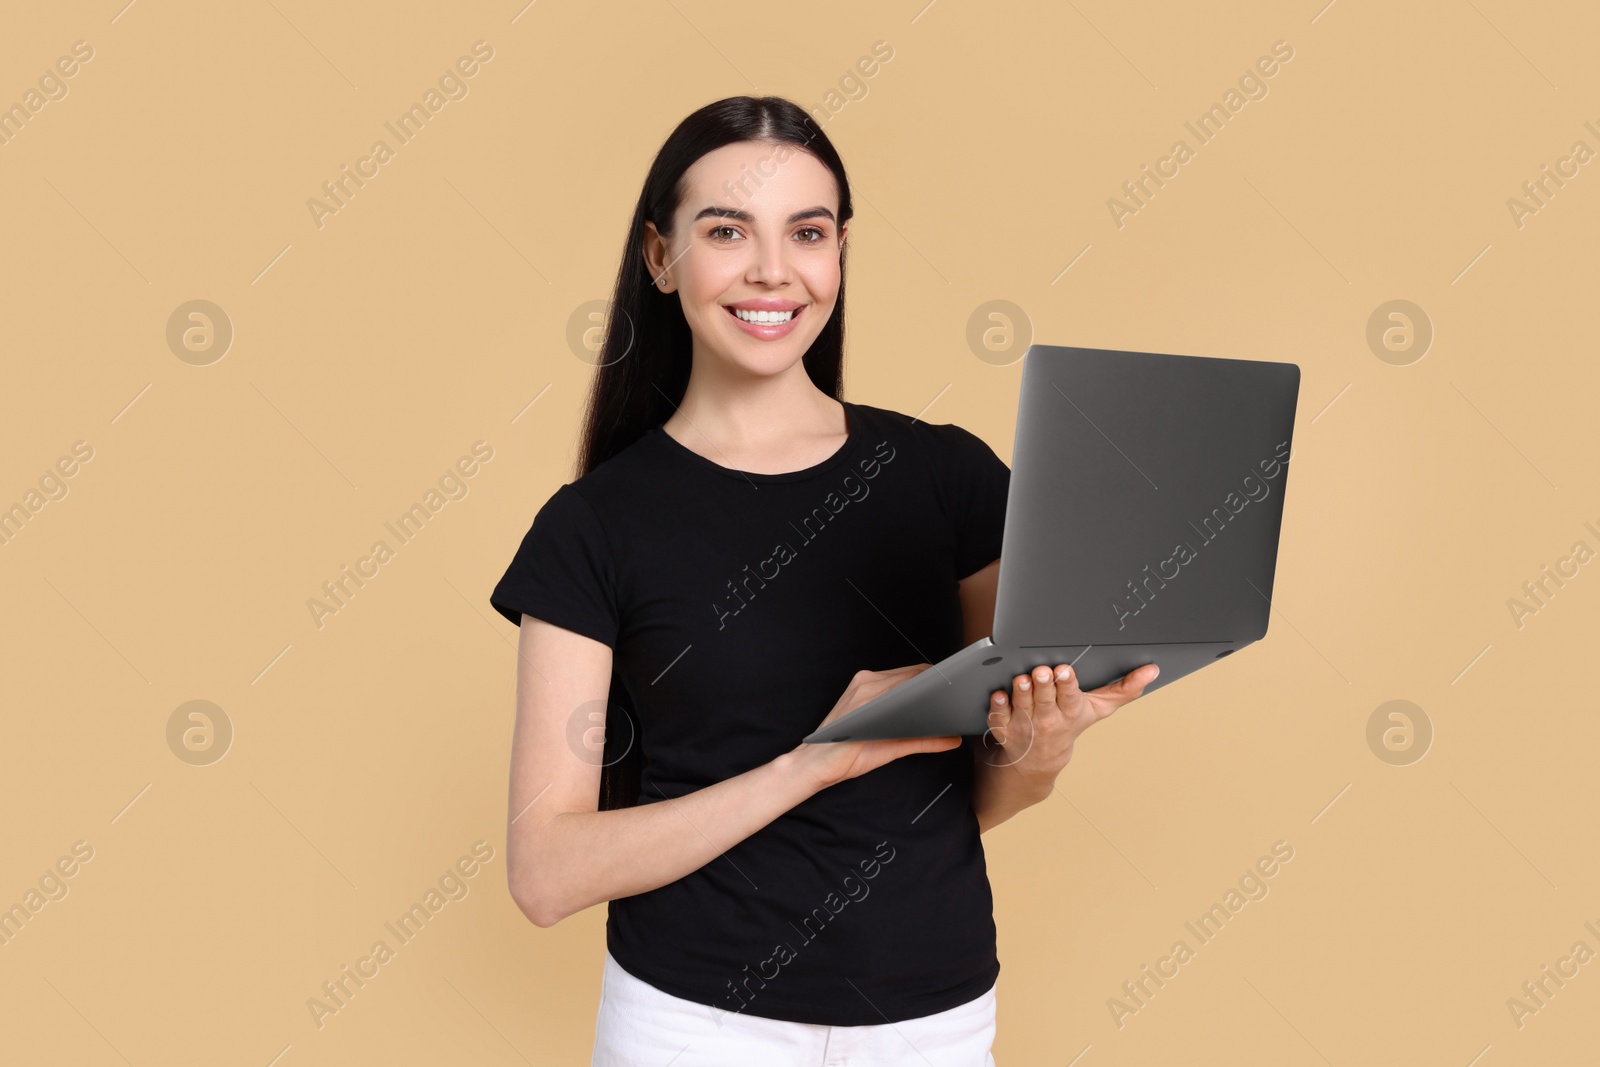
point(655, 258)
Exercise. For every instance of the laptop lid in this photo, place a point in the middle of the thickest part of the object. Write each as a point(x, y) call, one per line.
point(1156, 485)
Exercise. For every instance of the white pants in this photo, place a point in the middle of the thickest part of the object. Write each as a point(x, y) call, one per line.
point(642, 1026)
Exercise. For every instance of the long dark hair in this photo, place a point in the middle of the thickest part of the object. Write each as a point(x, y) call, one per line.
point(648, 348)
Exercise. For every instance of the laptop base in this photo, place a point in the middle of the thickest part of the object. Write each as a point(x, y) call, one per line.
point(952, 697)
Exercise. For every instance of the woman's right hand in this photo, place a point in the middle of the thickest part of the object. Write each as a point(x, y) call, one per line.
point(835, 761)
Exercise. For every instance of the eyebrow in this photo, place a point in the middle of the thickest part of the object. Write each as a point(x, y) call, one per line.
point(745, 216)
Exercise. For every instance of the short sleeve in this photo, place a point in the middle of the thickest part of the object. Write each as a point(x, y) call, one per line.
point(974, 484)
point(562, 572)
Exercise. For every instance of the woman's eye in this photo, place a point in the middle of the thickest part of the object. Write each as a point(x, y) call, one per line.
point(820, 236)
point(716, 232)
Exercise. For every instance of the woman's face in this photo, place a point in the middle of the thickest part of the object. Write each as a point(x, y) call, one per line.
point(755, 238)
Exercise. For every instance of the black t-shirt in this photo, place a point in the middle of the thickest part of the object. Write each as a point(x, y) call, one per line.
point(738, 605)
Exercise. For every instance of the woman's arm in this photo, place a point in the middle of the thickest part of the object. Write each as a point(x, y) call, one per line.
point(1031, 730)
point(563, 854)
point(998, 791)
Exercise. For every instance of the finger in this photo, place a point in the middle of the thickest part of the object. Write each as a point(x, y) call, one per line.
point(1066, 682)
point(999, 715)
point(930, 744)
point(1022, 693)
point(1044, 687)
point(1131, 684)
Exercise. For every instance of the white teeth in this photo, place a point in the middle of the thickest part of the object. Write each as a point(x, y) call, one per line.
point(763, 318)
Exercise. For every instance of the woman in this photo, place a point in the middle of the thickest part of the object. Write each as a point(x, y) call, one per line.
point(771, 902)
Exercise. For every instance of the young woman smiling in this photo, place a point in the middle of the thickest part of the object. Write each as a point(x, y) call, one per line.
point(770, 902)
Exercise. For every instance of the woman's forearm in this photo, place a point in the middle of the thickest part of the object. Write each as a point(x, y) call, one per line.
point(999, 792)
point(569, 861)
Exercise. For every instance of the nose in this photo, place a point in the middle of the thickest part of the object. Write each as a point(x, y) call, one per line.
point(769, 263)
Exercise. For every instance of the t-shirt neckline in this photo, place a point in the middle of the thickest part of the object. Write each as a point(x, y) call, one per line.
point(853, 432)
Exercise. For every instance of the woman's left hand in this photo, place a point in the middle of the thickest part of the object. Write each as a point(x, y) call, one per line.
point(1035, 728)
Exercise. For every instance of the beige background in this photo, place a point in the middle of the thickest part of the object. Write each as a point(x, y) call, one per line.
point(432, 311)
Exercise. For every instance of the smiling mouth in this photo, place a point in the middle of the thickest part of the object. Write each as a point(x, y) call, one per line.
point(765, 318)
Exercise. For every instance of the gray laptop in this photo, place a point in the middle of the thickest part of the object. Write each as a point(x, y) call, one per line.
point(1141, 527)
